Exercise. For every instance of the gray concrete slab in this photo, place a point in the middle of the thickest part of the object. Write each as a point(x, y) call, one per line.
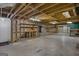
point(50, 45)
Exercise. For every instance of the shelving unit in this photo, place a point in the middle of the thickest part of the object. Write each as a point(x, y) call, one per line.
point(28, 30)
point(22, 29)
point(74, 32)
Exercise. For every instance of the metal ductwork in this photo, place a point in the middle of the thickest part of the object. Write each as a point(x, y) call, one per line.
point(3, 5)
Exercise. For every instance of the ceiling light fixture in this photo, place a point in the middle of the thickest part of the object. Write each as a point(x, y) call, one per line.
point(34, 19)
point(69, 22)
point(54, 22)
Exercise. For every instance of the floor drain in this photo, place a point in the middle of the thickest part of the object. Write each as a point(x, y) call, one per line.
point(3, 54)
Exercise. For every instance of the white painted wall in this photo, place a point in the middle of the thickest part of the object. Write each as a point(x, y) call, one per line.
point(5, 29)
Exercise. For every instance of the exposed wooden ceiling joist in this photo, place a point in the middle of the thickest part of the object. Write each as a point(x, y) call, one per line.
point(10, 11)
point(19, 8)
point(47, 8)
point(41, 10)
point(62, 10)
point(22, 10)
point(67, 9)
point(31, 10)
point(43, 16)
point(56, 8)
point(74, 12)
point(71, 19)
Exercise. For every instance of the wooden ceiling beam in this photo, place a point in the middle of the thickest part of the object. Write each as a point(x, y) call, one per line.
point(62, 10)
point(10, 11)
point(58, 8)
point(31, 10)
point(70, 19)
point(25, 8)
point(43, 13)
point(22, 10)
point(19, 8)
point(49, 7)
point(74, 12)
point(43, 9)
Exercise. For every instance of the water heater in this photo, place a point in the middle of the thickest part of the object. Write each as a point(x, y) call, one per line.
point(5, 29)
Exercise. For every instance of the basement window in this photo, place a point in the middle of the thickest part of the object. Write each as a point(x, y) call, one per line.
point(66, 14)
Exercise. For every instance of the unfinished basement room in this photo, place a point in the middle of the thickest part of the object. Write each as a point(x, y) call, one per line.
point(39, 29)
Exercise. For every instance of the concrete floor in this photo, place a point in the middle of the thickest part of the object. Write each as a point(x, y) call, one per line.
point(50, 45)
